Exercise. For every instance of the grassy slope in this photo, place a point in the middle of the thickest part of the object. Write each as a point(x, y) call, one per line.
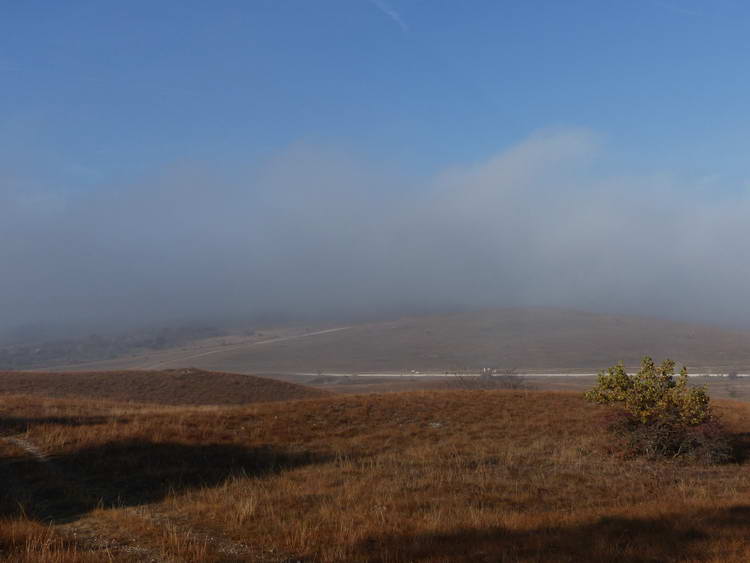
point(531, 339)
point(170, 387)
point(423, 476)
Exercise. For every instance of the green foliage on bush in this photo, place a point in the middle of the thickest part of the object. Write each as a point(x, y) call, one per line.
point(653, 393)
point(662, 415)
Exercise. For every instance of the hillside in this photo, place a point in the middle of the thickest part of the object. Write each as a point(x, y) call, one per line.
point(168, 387)
point(530, 339)
point(432, 477)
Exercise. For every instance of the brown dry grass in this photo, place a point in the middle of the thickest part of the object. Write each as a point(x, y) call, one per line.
point(166, 387)
point(422, 476)
point(718, 387)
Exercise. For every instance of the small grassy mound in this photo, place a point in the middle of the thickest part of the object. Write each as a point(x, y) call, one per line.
point(168, 387)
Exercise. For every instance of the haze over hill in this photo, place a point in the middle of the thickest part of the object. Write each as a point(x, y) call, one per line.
point(543, 339)
point(456, 160)
point(313, 234)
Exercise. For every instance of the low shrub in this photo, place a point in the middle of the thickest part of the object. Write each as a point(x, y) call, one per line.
point(662, 416)
point(707, 442)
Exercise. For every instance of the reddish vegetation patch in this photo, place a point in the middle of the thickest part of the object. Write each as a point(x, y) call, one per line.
point(169, 387)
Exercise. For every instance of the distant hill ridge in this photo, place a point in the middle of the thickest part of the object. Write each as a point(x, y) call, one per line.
point(528, 339)
point(523, 338)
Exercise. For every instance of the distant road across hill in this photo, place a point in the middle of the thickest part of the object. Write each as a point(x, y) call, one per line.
point(184, 356)
point(227, 349)
point(527, 339)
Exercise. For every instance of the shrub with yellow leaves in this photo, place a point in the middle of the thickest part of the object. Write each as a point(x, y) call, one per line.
point(653, 393)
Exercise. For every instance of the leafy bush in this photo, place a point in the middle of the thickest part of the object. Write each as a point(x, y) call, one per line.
point(653, 393)
point(662, 415)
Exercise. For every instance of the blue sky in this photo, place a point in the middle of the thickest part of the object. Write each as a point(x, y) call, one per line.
point(92, 91)
point(175, 158)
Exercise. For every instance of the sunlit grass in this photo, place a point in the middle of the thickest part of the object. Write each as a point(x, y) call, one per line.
point(423, 476)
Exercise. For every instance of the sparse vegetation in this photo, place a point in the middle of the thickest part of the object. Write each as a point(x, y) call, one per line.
point(488, 378)
point(424, 476)
point(662, 415)
point(167, 387)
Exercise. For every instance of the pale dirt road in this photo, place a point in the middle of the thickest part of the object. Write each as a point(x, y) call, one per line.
point(223, 349)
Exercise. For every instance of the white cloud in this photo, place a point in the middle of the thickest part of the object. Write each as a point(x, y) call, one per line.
point(391, 13)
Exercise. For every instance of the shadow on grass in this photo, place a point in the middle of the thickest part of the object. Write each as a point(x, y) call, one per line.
point(741, 443)
point(638, 540)
point(14, 425)
point(128, 473)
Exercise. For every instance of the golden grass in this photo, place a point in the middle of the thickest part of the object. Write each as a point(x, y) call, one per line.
point(422, 476)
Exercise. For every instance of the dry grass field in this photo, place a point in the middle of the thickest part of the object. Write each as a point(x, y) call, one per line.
point(167, 387)
point(718, 387)
point(419, 476)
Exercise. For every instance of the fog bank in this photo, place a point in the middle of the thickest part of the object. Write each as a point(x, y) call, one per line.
point(316, 231)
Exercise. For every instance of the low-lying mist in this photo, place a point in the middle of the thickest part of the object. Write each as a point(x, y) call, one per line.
point(318, 232)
